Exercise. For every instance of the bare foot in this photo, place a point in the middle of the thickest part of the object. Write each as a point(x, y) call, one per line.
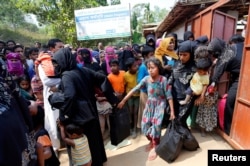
point(152, 155)
point(149, 147)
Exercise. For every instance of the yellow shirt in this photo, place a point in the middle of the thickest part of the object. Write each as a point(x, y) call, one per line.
point(197, 83)
point(130, 82)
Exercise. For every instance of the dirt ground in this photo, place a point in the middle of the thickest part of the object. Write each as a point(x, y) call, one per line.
point(131, 152)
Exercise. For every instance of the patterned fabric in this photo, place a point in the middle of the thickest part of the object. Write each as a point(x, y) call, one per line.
point(158, 94)
point(4, 97)
point(207, 113)
point(36, 85)
point(29, 156)
point(80, 152)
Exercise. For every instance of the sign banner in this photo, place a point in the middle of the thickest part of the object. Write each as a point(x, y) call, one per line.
point(103, 22)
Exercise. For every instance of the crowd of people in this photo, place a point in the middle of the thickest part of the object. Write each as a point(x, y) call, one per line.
point(157, 82)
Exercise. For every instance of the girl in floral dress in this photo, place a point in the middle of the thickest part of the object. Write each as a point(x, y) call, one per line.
point(158, 92)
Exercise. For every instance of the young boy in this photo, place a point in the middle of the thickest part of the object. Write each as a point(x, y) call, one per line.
point(130, 78)
point(79, 144)
point(116, 78)
point(200, 80)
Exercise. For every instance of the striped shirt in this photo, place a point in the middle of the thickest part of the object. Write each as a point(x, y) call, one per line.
point(80, 153)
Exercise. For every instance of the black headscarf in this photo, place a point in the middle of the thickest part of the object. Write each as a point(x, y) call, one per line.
point(188, 46)
point(187, 35)
point(217, 47)
point(149, 38)
point(65, 61)
point(86, 59)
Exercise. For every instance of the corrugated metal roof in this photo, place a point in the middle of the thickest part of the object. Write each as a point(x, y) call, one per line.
point(180, 13)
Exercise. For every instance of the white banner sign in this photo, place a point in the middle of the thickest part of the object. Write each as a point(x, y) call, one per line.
point(103, 22)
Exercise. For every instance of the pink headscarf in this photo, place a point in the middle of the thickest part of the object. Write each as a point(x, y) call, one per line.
point(158, 42)
point(109, 55)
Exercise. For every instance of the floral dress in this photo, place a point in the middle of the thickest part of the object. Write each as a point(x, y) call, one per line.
point(207, 112)
point(158, 94)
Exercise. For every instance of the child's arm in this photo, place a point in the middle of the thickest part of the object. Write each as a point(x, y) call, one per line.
point(171, 106)
point(47, 152)
point(64, 138)
point(201, 98)
point(121, 104)
point(131, 92)
point(40, 155)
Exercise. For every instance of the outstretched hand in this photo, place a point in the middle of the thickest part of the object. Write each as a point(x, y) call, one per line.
point(120, 105)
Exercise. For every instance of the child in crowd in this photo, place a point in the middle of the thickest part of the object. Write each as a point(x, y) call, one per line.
point(200, 80)
point(130, 78)
point(37, 88)
point(104, 109)
point(158, 92)
point(116, 78)
point(25, 89)
point(79, 144)
point(42, 137)
point(147, 52)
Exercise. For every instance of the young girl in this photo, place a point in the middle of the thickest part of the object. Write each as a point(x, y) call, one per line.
point(79, 144)
point(158, 92)
point(200, 80)
point(25, 89)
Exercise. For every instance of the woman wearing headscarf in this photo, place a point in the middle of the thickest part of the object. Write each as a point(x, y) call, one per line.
point(188, 35)
point(166, 54)
point(109, 55)
point(18, 146)
point(150, 40)
point(87, 60)
point(74, 81)
point(180, 78)
point(229, 60)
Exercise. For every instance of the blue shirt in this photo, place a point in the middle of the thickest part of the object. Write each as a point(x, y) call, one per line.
point(142, 72)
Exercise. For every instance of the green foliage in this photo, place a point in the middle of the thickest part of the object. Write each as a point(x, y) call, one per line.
point(59, 14)
point(10, 15)
point(115, 2)
point(58, 18)
point(159, 14)
point(136, 37)
point(23, 36)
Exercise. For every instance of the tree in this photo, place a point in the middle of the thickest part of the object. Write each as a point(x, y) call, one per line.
point(59, 14)
point(159, 14)
point(10, 14)
point(115, 2)
point(148, 16)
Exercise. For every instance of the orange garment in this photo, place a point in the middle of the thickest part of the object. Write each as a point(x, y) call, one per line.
point(162, 49)
point(117, 81)
point(44, 140)
point(45, 60)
